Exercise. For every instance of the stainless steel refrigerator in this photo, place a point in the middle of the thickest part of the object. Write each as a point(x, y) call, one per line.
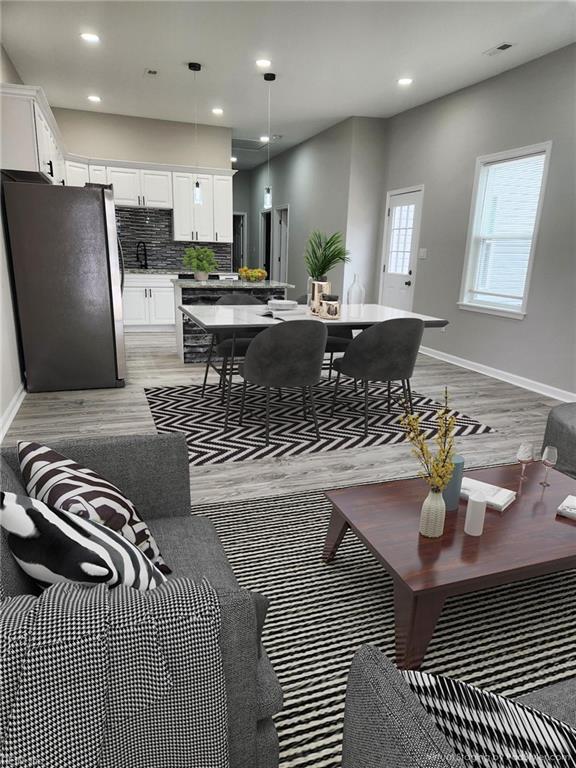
point(66, 277)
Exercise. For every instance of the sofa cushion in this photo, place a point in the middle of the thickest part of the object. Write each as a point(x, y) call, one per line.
point(64, 484)
point(54, 546)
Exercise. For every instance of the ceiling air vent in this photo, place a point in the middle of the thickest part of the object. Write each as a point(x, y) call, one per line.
point(253, 145)
point(498, 49)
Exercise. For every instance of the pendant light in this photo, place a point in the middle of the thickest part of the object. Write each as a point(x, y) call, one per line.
point(197, 195)
point(269, 77)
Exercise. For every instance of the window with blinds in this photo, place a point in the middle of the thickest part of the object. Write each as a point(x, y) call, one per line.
point(504, 219)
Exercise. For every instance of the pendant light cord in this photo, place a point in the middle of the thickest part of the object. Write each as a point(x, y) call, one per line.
point(269, 136)
point(195, 121)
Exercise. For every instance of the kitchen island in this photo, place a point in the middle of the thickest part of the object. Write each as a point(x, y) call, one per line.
point(192, 342)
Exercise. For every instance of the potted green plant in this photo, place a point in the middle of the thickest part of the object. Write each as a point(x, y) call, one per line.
point(323, 253)
point(200, 260)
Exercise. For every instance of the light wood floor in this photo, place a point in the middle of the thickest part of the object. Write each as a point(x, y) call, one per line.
point(516, 413)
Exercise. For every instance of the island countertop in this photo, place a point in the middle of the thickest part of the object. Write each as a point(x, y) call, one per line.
point(230, 284)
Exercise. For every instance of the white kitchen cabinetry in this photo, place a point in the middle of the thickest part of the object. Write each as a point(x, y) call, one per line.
point(76, 174)
point(223, 209)
point(156, 189)
point(149, 301)
point(193, 221)
point(126, 185)
point(49, 153)
point(97, 174)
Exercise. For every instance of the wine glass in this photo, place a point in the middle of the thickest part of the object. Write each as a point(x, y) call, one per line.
point(549, 459)
point(525, 455)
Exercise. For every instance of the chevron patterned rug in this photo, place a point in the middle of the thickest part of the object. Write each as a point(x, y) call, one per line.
point(183, 409)
point(510, 640)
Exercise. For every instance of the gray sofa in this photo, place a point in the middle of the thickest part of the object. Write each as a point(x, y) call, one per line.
point(153, 472)
point(385, 725)
point(561, 433)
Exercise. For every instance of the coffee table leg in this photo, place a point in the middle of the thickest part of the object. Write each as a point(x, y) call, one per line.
point(336, 530)
point(416, 616)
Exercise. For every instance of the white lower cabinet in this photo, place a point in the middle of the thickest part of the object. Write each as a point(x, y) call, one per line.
point(149, 300)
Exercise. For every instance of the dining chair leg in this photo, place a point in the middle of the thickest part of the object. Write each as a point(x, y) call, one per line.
point(304, 411)
point(313, 409)
point(223, 376)
point(366, 408)
point(228, 398)
point(241, 417)
point(267, 415)
point(405, 395)
point(231, 376)
point(410, 401)
point(280, 395)
point(355, 385)
point(335, 395)
point(389, 396)
point(208, 364)
point(331, 363)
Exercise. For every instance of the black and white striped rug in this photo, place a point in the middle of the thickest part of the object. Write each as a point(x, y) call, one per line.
point(183, 409)
point(509, 640)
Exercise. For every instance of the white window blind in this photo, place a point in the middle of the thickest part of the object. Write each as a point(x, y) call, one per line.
point(503, 230)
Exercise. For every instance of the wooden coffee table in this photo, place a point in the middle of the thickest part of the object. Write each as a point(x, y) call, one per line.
point(524, 541)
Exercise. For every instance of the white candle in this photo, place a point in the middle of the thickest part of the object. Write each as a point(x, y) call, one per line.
point(475, 513)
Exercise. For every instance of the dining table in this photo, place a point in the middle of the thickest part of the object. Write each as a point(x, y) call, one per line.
point(234, 318)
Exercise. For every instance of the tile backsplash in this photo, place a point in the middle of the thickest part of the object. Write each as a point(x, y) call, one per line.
point(154, 227)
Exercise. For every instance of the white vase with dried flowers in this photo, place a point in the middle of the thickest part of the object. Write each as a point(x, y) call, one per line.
point(437, 467)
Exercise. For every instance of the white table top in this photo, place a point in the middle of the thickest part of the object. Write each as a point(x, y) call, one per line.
point(235, 316)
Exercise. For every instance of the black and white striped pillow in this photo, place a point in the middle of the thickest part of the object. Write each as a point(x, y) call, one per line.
point(490, 731)
point(66, 485)
point(53, 546)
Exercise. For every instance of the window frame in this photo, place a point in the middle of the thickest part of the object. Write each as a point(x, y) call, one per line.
point(474, 220)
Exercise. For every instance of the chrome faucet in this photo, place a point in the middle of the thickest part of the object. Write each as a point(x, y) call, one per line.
point(142, 244)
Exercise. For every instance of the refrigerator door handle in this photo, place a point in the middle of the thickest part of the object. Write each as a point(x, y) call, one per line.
point(115, 283)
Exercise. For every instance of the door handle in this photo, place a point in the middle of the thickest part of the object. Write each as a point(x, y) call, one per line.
point(143, 200)
point(216, 236)
point(408, 282)
point(138, 199)
point(50, 168)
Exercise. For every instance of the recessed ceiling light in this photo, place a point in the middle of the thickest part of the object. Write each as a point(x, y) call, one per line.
point(95, 99)
point(264, 139)
point(90, 37)
point(233, 159)
point(405, 81)
point(263, 63)
point(217, 111)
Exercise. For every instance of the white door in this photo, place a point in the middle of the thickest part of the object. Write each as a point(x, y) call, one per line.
point(161, 306)
point(223, 209)
point(182, 184)
point(126, 184)
point(136, 305)
point(76, 174)
point(400, 252)
point(204, 213)
point(98, 174)
point(156, 189)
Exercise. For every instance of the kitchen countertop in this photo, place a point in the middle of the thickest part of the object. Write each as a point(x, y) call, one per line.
point(233, 284)
point(150, 271)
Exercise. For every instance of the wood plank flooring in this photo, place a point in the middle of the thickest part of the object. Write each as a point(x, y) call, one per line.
point(515, 413)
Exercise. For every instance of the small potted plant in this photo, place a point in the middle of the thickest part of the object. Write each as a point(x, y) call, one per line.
point(437, 467)
point(200, 260)
point(323, 253)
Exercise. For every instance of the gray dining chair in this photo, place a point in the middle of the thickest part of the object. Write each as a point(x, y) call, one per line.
point(221, 342)
point(338, 338)
point(288, 355)
point(385, 352)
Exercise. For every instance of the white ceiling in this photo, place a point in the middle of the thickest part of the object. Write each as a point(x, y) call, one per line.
point(333, 59)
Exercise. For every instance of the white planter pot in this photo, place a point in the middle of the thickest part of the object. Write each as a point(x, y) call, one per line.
point(200, 275)
point(433, 515)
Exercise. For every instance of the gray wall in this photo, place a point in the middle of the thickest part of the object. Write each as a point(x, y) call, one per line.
point(437, 145)
point(313, 179)
point(10, 377)
point(139, 139)
point(241, 191)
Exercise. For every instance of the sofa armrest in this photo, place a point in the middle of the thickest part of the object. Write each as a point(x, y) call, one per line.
point(385, 725)
point(151, 470)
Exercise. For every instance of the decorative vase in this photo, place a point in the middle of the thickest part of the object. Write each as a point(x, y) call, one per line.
point(356, 293)
point(319, 287)
point(451, 493)
point(432, 515)
point(200, 275)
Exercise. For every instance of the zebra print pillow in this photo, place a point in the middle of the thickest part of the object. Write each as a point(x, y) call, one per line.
point(53, 546)
point(66, 485)
point(488, 731)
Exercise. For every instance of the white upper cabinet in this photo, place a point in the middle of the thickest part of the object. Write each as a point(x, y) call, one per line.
point(47, 146)
point(97, 174)
point(156, 189)
point(204, 212)
point(76, 174)
point(126, 185)
point(183, 210)
point(223, 209)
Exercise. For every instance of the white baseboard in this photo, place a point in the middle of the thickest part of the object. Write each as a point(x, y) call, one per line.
point(496, 373)
point(11, 411)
